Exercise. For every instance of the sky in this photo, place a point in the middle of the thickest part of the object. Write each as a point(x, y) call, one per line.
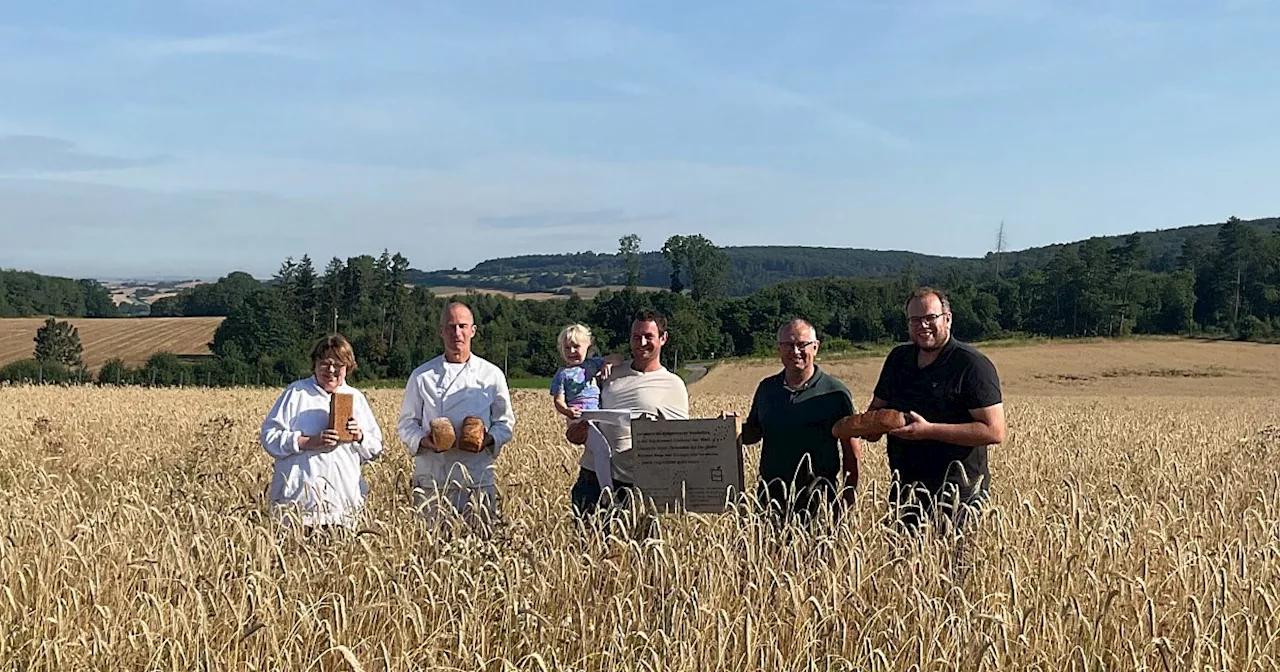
point(191, 138)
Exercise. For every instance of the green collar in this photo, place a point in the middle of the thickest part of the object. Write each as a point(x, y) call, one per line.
point(817, 373)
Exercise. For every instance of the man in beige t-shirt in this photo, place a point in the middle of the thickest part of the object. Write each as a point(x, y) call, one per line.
point(641, 385)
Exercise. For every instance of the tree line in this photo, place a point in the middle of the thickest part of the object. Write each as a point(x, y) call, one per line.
point(749, 269)
point(752, 268)
point(23, 294)
point(1227, 286)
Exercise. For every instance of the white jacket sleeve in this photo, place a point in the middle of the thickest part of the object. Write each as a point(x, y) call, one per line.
point(277, 436)
point(370, 445)
point(502, 416)
point(409, 425)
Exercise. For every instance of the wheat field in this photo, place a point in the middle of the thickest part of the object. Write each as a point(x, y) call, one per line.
point(1126, 533)
point(131, 339)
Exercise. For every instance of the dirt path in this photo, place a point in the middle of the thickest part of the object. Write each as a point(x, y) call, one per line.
point(696, 372)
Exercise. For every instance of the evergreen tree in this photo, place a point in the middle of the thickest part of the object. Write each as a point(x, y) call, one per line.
point(284, 280)
point(59, 342)
point(331, 293)
point(261, 327)
point(1127, 261)
point(673, 252)
point(307, 294)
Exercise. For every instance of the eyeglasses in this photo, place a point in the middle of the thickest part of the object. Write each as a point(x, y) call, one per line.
point(791, 345)
point(330, 364)
point(931, 318)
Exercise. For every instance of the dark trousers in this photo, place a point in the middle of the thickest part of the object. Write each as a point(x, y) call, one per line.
point(587, 492)
point(951, 508)
point(615, 508)
point(953, 512)
point(801, 502)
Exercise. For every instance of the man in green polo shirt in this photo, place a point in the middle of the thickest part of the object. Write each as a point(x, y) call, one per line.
point(802, 467)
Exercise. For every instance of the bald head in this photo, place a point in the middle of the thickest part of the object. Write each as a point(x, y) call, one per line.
point(457, 328)
point(803, 327)
point(454, 310)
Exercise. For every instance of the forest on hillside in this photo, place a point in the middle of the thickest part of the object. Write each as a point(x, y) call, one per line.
point(1224, 286)
point(752, 268)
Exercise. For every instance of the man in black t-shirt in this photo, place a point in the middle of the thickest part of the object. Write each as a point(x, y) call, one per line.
point(951, 395)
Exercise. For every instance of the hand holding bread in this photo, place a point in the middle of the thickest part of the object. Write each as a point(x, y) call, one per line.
point(869, 425)
point(442, 435)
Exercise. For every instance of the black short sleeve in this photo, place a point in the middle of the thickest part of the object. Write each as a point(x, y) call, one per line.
point(884, 385)
point(981, 385)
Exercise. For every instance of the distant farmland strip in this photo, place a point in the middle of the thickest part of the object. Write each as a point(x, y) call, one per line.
point(586, 293)
point(130, 339)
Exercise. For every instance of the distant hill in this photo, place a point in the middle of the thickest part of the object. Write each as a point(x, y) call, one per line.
point(1163, 246)
point(755, 267)
point(752, 267)
point(23, 293)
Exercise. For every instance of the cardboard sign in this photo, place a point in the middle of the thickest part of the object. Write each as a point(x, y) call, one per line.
point(688, 465)
point(341, 409)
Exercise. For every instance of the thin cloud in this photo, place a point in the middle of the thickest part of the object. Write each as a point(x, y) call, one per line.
point(764, 94)
point(280, 42)
point(44, 154)
point(569, 219)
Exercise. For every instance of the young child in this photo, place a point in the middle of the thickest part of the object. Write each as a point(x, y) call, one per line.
point(574, 387)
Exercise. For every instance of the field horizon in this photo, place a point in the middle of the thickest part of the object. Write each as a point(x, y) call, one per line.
point(1160, 366)
point(132, 339)
point(135, 339)
point(1132, 526)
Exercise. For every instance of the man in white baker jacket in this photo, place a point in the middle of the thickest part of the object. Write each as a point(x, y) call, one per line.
point(455, 385)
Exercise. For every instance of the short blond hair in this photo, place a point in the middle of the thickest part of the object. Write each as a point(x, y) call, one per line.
point(574, 333)
point(335, 346)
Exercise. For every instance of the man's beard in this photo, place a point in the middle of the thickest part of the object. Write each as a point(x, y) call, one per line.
point(939, 341)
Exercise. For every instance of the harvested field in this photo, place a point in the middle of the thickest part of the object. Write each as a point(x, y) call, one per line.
point(131, 339)
point(1140, 367)
point(587, 293)
point(1133, 531)
point(463, 291)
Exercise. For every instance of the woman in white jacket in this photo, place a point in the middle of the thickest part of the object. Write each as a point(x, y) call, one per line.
point(316, 475)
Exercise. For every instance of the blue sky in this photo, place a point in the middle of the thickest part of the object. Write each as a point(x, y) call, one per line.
point(196, 137)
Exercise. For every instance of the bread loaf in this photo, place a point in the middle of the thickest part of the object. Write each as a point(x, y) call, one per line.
point(471, 438)
point(871, 423)
point(442, 434)
point(341, 409)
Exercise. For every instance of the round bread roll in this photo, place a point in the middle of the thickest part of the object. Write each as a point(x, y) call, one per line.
point(471, 438)
point(871, 423)
point(442, 434)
